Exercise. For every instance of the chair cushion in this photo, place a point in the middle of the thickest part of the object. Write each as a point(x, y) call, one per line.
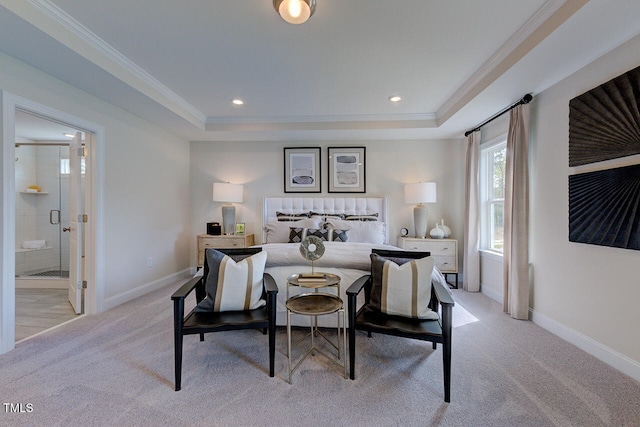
point(401, 286)
point(231, 285)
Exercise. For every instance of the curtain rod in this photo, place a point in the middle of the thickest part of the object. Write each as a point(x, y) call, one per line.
point(525, 100)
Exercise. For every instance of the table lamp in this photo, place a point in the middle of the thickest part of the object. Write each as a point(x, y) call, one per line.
point(420, 193)
point(228, 194)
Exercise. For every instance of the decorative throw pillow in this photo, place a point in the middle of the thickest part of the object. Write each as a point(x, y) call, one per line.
point(231, 285)
point(297, 234)
point(360, 231)
point(338, 235)
point(326, 216)
point(278, 231)
point(367, 217)
point(402, 287)
point(291, 216)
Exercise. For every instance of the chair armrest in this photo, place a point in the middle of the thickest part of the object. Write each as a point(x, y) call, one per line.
point(269, 284)
point(186, 289)
point(357, 286)
point(442, 294)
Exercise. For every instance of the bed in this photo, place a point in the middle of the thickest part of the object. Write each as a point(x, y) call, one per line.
point(365, 219)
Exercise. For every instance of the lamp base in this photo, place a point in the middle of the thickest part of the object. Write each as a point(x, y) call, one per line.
point(420, 216)
point(228, 218)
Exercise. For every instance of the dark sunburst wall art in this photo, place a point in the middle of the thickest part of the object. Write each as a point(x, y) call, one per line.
point(604, 207)
point(604, 123)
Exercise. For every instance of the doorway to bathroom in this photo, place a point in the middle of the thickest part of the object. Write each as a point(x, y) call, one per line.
point(49, 175)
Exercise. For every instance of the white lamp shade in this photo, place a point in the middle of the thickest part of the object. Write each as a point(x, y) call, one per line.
point(422, 192)
point(227, 193)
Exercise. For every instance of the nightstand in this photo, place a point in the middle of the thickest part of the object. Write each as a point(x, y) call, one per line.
point(443, 251)
point(222, 242)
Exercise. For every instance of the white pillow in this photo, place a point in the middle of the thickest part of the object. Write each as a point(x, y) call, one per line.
point(360, 231)
point(278, 231)
point(233, 286)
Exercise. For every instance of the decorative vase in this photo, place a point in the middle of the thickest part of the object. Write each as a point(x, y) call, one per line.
point(446, 230)
point(436, 233)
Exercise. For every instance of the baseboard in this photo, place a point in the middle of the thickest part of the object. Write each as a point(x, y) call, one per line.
point(609, 356)
point(496, 296)
point(139, 291)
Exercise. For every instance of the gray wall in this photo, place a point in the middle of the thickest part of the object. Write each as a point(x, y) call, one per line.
point(146, 185)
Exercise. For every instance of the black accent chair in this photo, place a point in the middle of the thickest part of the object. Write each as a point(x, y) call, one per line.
point(200, 323)
point(435, 331)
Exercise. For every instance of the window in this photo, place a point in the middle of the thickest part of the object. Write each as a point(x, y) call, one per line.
point(491, 186)
point(65, 167)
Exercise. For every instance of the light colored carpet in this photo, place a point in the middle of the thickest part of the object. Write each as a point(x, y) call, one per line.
point(116, 368)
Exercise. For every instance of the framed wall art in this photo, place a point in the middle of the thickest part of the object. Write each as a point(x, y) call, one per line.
point(604, 123)
point(239, 228)
point(302, 170)
point(603, 207)
point(347, 170)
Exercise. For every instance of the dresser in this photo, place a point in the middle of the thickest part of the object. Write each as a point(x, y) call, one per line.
point(222, 242)
point(443, 251)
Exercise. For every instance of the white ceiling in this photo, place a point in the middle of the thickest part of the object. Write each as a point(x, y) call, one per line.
point(179, 64)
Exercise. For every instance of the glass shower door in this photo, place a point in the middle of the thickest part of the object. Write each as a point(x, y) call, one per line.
point(42, 193)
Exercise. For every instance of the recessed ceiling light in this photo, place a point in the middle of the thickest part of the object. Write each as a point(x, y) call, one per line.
point(395, 98)
point(69, 135)
point(237, 101)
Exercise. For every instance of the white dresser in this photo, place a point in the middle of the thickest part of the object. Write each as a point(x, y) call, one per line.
point(443, 251)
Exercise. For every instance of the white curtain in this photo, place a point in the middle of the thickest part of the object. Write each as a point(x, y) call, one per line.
point(471, 258)
point(516, 215)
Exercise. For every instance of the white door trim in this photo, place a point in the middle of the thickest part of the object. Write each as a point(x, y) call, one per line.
point(94, 256)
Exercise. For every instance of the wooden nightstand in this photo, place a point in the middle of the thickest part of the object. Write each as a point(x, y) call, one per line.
point(443, 251)
point(222, 242)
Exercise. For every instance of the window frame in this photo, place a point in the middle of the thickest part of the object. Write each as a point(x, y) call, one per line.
point(485, 186)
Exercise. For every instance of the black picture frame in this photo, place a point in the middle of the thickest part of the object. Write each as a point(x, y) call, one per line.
point(302, 173)
point(347, 169)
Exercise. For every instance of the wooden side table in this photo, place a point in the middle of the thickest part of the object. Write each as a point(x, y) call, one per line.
point(443, 251)
point(222, 242)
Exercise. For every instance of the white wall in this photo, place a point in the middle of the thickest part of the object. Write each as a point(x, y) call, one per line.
point(146, 185)
point(587, 294)
point(390, 164)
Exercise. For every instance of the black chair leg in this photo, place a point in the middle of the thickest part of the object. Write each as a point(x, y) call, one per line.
point(178, 311)
point(446, 352)
point(352, 335)
point(272, 348)
point(201, 337)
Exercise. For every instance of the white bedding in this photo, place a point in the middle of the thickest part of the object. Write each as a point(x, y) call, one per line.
point(348, 260)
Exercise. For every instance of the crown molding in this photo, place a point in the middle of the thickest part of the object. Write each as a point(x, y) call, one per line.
point(549, 17)
point(55, 22)
point(306, 123)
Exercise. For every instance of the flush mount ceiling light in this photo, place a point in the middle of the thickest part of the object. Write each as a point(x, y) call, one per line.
point(395, 98)
point(237, 101)
point(295, 11)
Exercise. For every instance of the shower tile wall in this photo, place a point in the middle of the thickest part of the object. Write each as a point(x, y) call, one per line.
point(37, 166)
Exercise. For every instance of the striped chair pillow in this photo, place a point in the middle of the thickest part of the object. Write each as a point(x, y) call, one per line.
point(233, 286)
point(402, 290)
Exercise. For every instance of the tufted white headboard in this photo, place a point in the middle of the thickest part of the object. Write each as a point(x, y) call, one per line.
point(346, 205)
